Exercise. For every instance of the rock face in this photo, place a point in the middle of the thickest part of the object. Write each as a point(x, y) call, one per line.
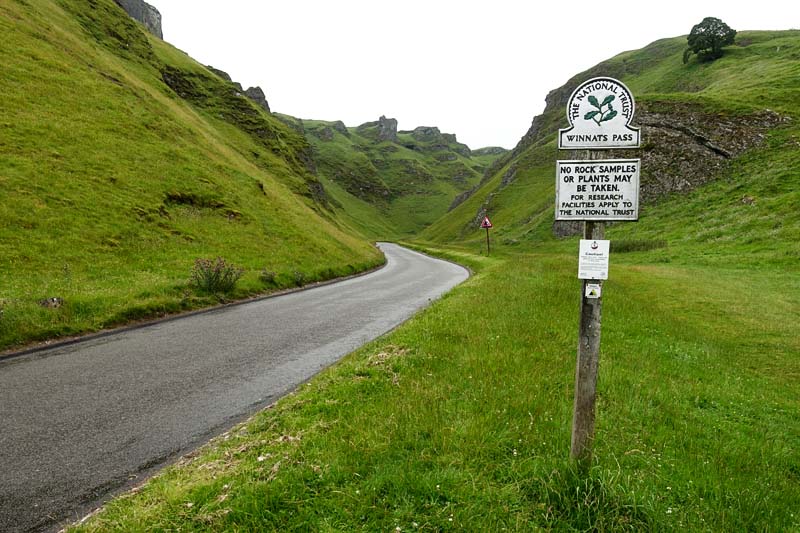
point(325, 133)
point(489, 150)
point(430, 139)
point(225, 76)
point(427, 133)
point(385, 129)
point(686, 146)
point(221, 73)
point(144, 13)
point(509, 176)
point(296, 124)
point(341, 128)
point(458, 200)
point(257, 95)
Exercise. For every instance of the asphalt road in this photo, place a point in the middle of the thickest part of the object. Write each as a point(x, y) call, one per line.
point(81, 422)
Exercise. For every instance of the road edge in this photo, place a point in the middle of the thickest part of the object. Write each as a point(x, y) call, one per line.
point(61, 342)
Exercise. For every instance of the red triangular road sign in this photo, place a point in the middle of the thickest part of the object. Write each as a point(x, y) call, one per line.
point(486, 223)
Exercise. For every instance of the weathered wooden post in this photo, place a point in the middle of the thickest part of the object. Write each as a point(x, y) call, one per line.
point(594, 190)
point(588, 361)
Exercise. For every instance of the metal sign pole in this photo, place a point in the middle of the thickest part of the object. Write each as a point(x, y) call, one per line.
point(487, 242)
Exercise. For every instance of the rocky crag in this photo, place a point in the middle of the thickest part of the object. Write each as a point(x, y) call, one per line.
point(256, 94)
point(144, 13)
point(150, 18)
point(384, 129)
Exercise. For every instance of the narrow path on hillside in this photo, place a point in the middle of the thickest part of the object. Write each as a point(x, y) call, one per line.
point(81, 421)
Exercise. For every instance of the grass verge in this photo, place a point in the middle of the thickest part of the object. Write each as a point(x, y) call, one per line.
point(460, 419)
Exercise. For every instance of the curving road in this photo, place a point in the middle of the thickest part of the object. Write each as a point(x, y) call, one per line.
point(82, 421)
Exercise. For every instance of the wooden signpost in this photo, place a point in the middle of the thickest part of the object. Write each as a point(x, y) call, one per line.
point(595, 190)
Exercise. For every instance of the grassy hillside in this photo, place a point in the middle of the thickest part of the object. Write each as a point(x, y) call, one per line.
point(124, 161)
point(395, 185)
point(750, 197)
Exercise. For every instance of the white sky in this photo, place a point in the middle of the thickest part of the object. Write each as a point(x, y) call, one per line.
point(479, 69)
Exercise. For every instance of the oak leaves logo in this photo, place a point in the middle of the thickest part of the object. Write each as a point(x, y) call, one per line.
point(599, 115)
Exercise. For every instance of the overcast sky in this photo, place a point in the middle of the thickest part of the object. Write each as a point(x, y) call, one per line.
point(479, 69)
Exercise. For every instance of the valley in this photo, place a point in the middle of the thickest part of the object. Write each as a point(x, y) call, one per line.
point(125, 162)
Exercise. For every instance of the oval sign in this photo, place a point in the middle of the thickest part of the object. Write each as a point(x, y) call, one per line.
point(600, 112)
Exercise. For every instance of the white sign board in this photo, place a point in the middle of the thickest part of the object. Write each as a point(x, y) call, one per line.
point(593, 259)
point(600, 112)
point(598, 190)
point(593, 290)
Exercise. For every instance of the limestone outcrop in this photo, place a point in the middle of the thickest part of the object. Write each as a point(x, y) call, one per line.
point(144, 13)
point(385, 129)
point(256, 94)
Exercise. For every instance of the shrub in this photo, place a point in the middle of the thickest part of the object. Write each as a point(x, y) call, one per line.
point(215, 275)
point(267, 276)
point(299, 278)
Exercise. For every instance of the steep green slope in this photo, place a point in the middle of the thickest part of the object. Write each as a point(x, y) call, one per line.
point(123, 161)
point(390, 183)
point(719, 160)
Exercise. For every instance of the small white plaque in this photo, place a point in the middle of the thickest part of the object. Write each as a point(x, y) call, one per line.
point(594, 290)
point(593, 259)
